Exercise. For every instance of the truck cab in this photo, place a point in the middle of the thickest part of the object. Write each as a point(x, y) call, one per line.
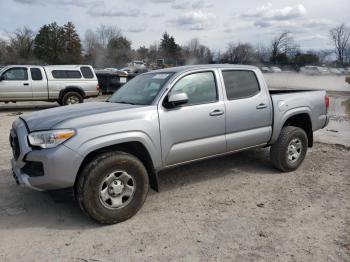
point(23, 83)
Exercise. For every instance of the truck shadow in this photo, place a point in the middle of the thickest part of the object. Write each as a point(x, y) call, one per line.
point(20, 207)
point(251, 161)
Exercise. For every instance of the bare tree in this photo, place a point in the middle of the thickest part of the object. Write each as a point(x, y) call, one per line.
point(21, 44)
point(340, 37)
point(347, 54)
point(153, 52)
point(241, 53)
point(196, 53)
point(263, 53)
point(142, 53)
point(105, 33)
point(4, 52)
point(96, 45)
point(283, 45)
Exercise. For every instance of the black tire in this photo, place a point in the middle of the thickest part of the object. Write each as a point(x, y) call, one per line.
point(279, 152)
point(72, 97)
point(89, 183)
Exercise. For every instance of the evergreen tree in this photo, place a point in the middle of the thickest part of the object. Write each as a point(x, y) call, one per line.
point(72, 45)
point(58, 44)
point(170, 49)
point(119, 50)
point(49, 44)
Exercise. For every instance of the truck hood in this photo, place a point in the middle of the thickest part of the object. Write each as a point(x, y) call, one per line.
point(49, 118)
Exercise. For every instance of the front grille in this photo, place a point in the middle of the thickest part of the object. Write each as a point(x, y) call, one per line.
point(15, 145)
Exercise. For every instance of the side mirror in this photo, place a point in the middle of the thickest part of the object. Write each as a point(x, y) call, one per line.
point(177, 99)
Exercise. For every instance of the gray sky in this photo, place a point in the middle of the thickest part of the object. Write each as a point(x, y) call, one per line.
point(215, 23)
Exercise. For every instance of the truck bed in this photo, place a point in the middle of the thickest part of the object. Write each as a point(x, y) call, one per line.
point(286, 102)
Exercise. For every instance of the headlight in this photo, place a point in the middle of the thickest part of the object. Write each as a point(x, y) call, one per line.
point(51, 138)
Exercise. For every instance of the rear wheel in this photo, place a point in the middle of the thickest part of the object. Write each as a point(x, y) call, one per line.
point(71, 98)
point(289, 151)
point(112, 187)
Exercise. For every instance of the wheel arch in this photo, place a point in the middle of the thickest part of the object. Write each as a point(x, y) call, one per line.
point(299, 117)
point(303, 121)
point(135, 148)
point(71, 89)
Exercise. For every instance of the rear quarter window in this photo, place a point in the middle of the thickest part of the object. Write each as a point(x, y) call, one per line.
point(240, 83)
point(71, 74)
point(36, 74)
point(86, 71)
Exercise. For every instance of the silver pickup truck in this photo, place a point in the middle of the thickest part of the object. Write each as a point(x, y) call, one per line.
point(110, 152)
point(66, 84)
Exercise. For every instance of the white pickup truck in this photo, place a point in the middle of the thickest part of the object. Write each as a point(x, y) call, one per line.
point(66, 84)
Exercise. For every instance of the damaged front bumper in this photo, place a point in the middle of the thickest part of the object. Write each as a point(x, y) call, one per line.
point(41, 169)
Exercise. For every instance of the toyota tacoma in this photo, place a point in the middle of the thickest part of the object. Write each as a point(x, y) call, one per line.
point(111, 152)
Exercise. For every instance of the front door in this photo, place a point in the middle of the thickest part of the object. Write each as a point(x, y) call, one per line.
point(15, 84)
point(197, 129)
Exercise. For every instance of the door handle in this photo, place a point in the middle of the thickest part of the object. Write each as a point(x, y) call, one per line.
point(216, 112)
point(261, 106)
point(26, 84)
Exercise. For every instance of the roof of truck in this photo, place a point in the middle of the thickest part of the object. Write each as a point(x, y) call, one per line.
point(205, 66)
point(49, 66)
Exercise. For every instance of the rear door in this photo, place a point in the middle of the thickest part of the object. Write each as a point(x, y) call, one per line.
point(196, 129)
point(248, 110)
point(39, 83)
point(15, 84)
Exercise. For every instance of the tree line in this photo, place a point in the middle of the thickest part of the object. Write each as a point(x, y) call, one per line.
point(108, 47)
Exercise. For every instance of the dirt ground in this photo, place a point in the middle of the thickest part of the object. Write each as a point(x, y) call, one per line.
point(234, 208)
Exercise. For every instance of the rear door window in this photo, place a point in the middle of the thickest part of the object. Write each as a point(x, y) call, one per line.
point(86, 71)
point(36, 74)
point(240, 84)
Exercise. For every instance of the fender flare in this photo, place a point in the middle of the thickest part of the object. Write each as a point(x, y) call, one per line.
point(277, 126)
point(71, 88)
point(111, 140)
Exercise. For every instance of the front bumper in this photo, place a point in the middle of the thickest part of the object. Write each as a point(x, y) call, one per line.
point(60, 165)
point(22, 179)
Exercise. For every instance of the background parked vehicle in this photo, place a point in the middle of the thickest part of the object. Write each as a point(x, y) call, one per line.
point(335, 71)
point(137, 65)
point(275, 69)
point(314, 70)
point(110, 81)
point(265, 69)
point(110, 152)
point(271, 69)
point(66, 84)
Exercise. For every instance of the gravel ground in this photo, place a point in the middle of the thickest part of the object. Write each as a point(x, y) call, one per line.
point(234, 208)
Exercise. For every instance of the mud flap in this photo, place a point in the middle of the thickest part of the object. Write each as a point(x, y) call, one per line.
point(153, 181)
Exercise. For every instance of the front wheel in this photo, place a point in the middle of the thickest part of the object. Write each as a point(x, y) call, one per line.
point(289, 151)
point(112, 187)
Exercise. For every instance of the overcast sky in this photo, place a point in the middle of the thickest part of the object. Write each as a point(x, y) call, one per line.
point(214, 22)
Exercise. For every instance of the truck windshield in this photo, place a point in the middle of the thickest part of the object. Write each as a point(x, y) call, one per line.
point(141, 90)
